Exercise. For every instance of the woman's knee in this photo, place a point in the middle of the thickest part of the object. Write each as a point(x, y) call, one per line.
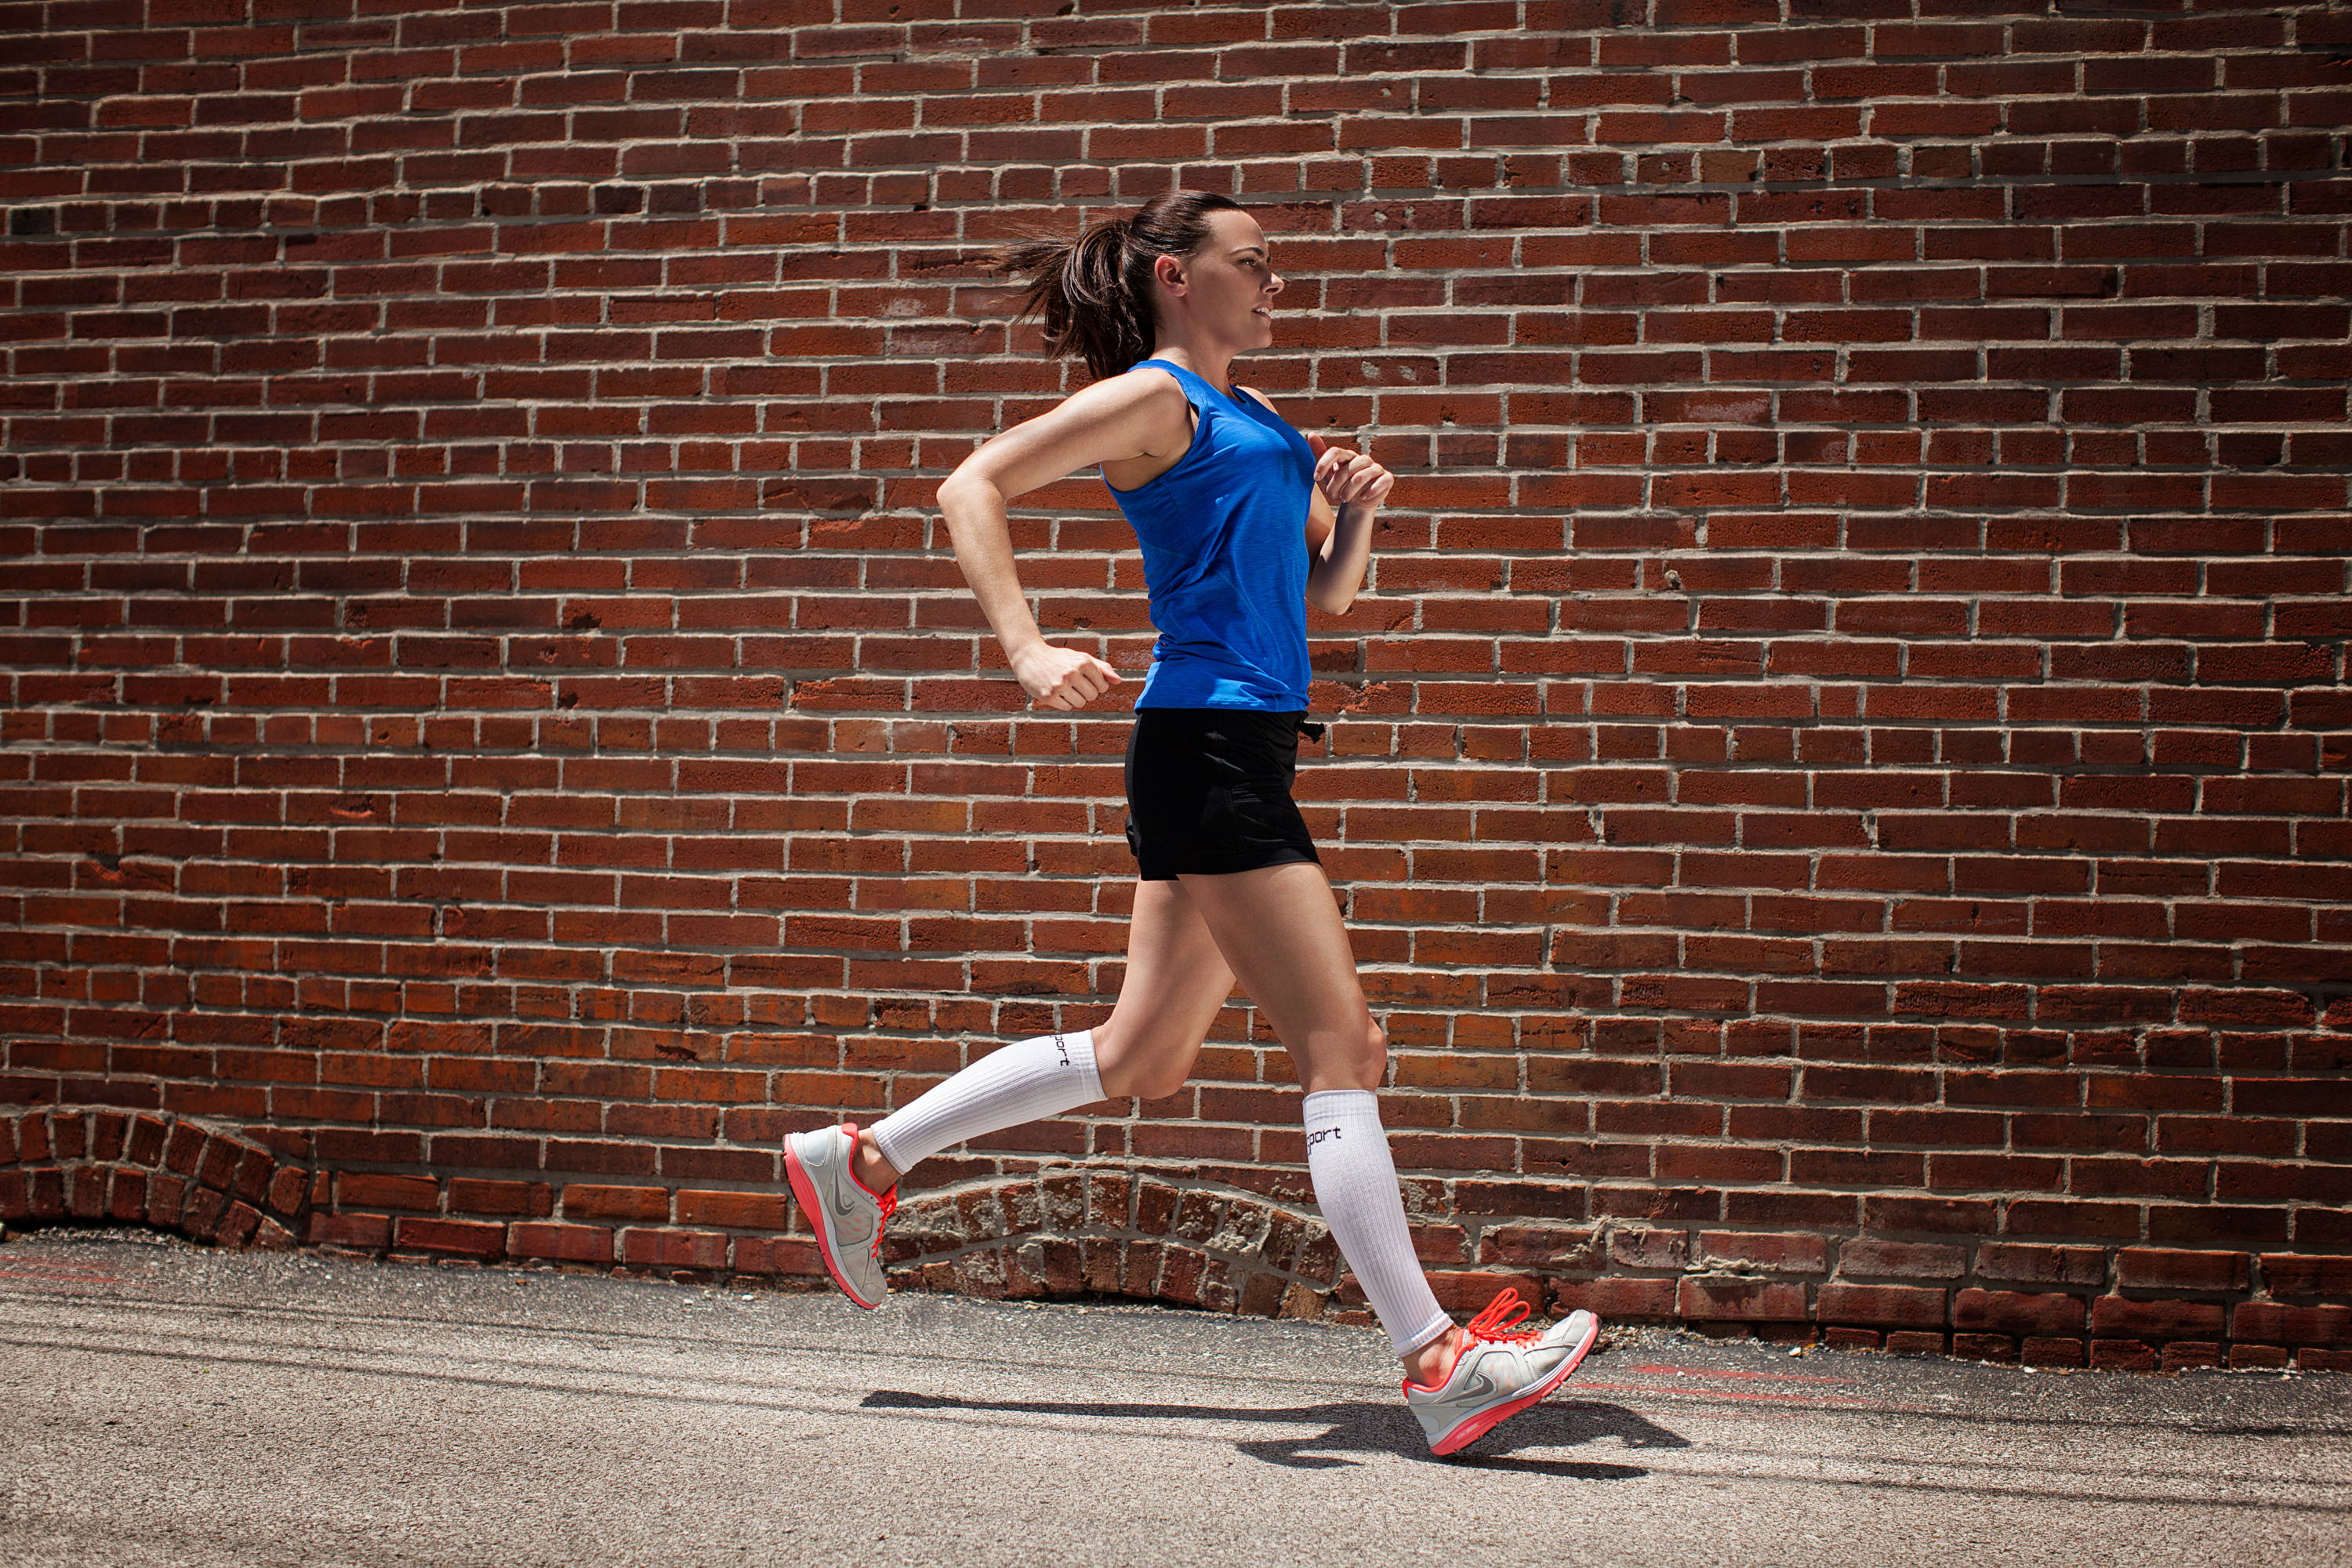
point(1156, 1078)
point(1361, 1062)
point(1140, 1066)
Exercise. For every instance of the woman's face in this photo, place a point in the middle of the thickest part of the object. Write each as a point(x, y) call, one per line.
point(1229, 283)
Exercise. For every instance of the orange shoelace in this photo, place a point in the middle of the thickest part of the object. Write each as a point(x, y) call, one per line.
point(889, 1206)
point(1498, 1322)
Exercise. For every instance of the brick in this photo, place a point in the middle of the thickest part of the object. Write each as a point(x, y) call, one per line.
point(1615, 1298)
point(785, 1257)
point(1780, 1253)
point(371, 1232)
point(2041, 1316)
point(69, 1136)
point(1460, 1290)
point(591, 1202)
point(201, 1219)
point(2289, 1274)
point(251, 1178)
point(2160, 1268)
point(1742, 1301)
point(237, 1224)
point(2295, 1325)
point(472, 1194)
point(1908, 1305)
point(2123, 1355)
point(2180, 1355)
point(86, 1191)
point(217, 1159)
point(2116, 1317)
point(167, 1197)
point(668, 1249)
point(1649, 1248)
point(370, 1190)
point(561, 1243)
point(289, 1190)
point(739, 1211)
point(143, 1143)
point(126, 1196)
point(33, 1146)
point(1534, 1247)
point(1865, 1259)
point(2011, 1263)
point(457, 1237)
point(106, 1136)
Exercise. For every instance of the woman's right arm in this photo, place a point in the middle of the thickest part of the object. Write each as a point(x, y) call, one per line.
point(1121, 416)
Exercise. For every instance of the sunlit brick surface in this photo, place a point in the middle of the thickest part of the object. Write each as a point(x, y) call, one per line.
point(1837, 778)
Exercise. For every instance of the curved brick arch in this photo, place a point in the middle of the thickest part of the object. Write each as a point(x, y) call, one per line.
point(149, 1167)
point(1066, 1231)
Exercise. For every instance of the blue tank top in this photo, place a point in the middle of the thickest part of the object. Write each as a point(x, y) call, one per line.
point(1224, 557)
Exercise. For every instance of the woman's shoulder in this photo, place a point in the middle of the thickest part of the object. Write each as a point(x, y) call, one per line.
point(1268, 403)
point(1263, 401)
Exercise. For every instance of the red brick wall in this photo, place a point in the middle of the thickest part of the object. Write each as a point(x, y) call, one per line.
point(1839, 774)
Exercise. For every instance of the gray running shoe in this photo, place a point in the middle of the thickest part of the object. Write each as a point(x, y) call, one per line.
point(846, 1215)
point(1499, 1373)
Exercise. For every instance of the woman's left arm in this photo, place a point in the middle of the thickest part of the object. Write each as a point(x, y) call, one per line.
point(1348, 489)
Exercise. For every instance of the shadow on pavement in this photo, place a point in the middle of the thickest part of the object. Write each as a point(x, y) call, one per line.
point(1361, 1427)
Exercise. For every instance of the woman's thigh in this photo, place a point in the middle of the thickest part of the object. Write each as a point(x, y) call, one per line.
point(1176, 983)
point(1280, 932)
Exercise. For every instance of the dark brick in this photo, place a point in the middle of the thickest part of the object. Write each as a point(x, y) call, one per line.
point(2290, 1274)
point(1740, 1300)
point(1867, 1257)
point(2043, 1316)
point(2159, 1268)
point(460, 1237)
point(2115, 1317)
point(1908, 1305)
point(2295, 1325)
point(2014, 1263)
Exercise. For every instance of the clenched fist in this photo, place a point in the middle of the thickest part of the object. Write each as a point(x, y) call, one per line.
point(1062, 677)
point(1346, 477)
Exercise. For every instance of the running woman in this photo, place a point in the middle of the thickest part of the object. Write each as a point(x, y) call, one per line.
point(1243, 523)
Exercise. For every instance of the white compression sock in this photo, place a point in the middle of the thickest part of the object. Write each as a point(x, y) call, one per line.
point(1356, 1186)
point(1037, 1078)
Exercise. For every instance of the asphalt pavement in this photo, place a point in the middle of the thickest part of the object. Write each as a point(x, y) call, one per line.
point(165, 1404)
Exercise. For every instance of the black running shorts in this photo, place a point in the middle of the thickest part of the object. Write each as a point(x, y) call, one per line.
point(1208, 791)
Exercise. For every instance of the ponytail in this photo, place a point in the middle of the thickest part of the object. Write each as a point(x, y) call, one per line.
point(1095, 292)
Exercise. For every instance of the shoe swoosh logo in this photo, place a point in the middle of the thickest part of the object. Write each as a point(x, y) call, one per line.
point(1486, 1388)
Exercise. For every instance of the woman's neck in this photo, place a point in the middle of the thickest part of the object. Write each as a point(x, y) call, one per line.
point(1215, 368)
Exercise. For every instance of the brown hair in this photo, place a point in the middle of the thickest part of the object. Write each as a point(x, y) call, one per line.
point(1095, 292)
